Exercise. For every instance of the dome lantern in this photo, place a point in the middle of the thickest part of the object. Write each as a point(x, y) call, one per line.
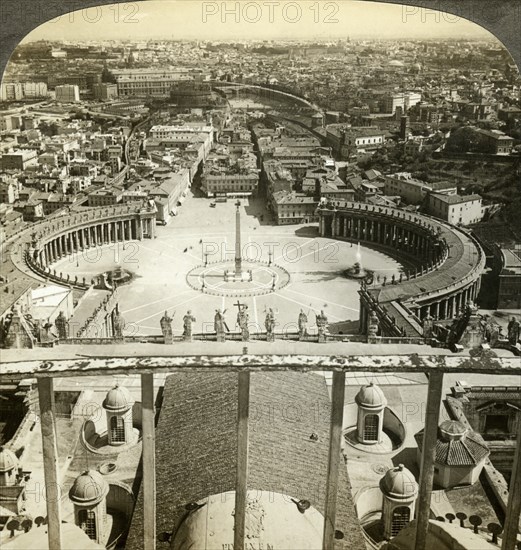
point(118, 405)
point(371, 403)
point(88, 493)
point(399, 490)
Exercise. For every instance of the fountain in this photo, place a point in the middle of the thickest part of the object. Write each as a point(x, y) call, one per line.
point(357, 271)
point(114, 278)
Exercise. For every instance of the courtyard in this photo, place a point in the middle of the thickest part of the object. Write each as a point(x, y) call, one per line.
point(310, 267)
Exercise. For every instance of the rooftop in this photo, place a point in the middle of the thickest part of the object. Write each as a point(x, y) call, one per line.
point(283, 458)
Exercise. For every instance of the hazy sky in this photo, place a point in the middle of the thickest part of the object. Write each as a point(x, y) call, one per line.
point(263, 19)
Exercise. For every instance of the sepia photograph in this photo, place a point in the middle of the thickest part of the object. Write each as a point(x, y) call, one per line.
point(260, 277)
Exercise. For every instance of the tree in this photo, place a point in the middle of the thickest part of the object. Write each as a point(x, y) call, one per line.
point(463, 140)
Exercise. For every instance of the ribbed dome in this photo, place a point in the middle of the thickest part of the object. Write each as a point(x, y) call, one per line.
point(457, 445)
point(118, 399)
point(371, 397)
point(452, 429)
point(8, 460)
point(399, 483)
point(88, 488)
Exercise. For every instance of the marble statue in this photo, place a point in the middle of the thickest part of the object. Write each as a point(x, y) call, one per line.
point(62, 326)
point(166, 328)
point(513, 331)
point(428, 326)
point(322, 324)
point(242, 321)
point(269, 323)
point(302, 325)
point(188, 319)
point(219, 325)
point(118, 323)
point(373, 326)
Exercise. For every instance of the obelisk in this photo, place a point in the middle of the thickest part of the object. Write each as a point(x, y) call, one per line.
point(238, 260)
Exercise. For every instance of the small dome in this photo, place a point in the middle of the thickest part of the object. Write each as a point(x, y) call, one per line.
point(457, 445)
point(8, 460)
point(451, 430)
point(118, 399)
point(88, 489)
point(371, 397)
point(399, 483)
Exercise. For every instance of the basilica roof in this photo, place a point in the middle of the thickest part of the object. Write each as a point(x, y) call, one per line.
point(196, 448)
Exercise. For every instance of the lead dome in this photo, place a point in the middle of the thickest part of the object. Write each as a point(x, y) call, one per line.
point(118, 399)
point(399, 483)
point(88, 489)
point(8, 460)
point(371, 397)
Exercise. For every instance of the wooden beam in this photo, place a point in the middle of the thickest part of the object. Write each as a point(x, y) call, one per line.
point(50, 461)
point(430, 435)
point(149, 462)
point(241, 479)
point(511, 527)
point(79, 361)
point(333, 468)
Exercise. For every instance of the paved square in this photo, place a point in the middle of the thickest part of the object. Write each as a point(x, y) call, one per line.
point(315, 266)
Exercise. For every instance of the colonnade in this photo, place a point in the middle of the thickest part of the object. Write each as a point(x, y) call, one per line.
point(434, 247)
point(448, 306)
point(97, 234)
point(403, 236)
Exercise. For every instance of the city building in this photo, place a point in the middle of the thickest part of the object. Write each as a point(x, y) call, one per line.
point(11, 91)
point(229, 184)
point(495, 142)
point(412, 190)
point(104, 91)
point(34, 90)
point(19, 159)
point(509, 290)
point(67, 93)
point(455, 209)
point(293, 208)
point(402, 100)
point(151, 82)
